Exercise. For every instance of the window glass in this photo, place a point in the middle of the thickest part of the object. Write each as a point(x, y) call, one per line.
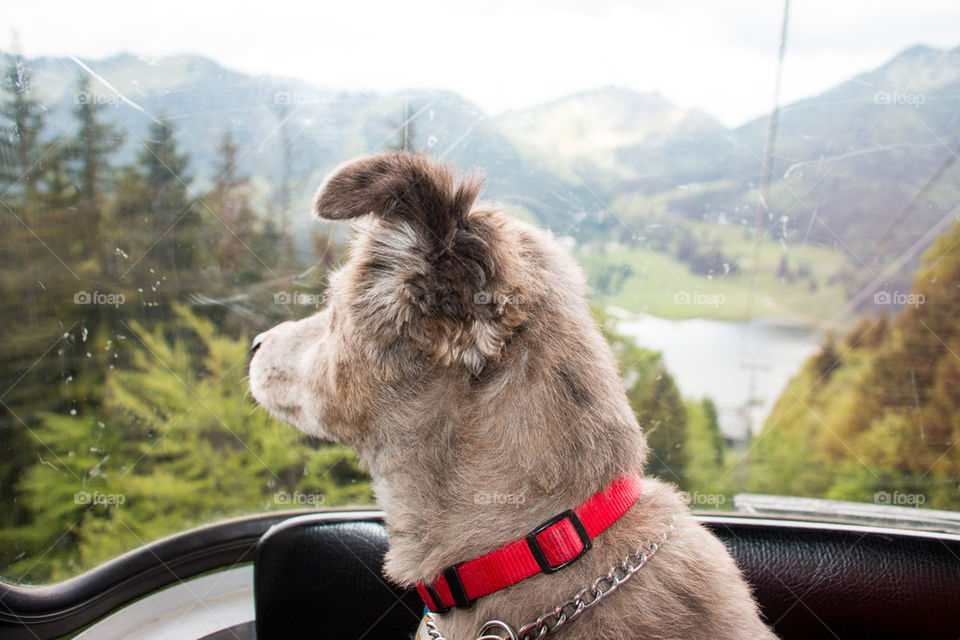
point(765, 207)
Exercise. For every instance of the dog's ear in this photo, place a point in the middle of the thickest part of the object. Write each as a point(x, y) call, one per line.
point(400, 185)
point(439, 265)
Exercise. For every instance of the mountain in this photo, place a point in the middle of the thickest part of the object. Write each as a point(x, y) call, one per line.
point(870, 164)
point(867, 167)
point(612, 136)
point(318, 126)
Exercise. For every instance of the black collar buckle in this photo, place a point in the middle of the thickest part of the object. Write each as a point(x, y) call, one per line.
point(537, 551)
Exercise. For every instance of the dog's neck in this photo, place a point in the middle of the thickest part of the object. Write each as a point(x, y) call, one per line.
point(469, 484)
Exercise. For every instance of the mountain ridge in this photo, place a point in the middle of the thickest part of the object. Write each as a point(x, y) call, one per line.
point(845, 160)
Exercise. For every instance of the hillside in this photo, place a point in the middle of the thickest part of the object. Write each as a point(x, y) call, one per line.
point(317, 126)
point(859, 154)
point(865, 168)
point(876, 412)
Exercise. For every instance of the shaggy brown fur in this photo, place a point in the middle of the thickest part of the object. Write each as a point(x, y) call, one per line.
point(458, 357)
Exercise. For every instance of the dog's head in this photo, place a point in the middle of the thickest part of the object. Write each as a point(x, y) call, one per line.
point(447, 313)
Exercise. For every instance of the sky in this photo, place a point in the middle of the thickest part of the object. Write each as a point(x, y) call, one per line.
point(717, 56)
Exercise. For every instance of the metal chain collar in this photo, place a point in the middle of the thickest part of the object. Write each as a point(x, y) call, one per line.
point(585, 599)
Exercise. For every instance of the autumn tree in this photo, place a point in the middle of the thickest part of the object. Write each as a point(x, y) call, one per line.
point(880, 411)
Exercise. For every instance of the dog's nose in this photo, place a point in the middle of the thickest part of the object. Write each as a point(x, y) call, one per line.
point(256, 343)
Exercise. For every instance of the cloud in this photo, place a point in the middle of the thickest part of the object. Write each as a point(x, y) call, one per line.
point(719, 57)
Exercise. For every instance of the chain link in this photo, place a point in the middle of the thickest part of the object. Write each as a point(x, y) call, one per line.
point(585, 599)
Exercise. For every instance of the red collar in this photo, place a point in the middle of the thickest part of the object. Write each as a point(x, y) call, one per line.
point(553, 545)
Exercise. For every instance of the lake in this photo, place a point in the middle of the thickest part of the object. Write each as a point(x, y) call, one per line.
point(742, 366)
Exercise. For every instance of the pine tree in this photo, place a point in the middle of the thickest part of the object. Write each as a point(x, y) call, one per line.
point(233, 220)
point(95, 141)
point(21, 124)
point(173, 219)
point(21, 121)
point(179, 443)
point(156, 223)
point(57, 190)
point(38, 255)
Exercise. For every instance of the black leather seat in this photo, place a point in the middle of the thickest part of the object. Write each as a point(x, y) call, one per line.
point(320, 576)
point(822, 581)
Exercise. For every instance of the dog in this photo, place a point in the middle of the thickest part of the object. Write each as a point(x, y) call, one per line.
point(458, 357)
